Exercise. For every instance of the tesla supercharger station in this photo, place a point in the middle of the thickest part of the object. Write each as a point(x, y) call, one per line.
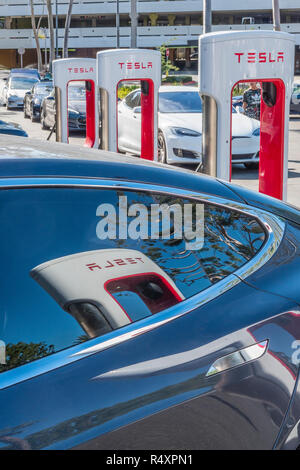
point(228, 58)
point(64, 72)
point(114, 67)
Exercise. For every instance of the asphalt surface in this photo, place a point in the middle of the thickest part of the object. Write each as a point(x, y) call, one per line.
point(249, 178)
point(240, 175)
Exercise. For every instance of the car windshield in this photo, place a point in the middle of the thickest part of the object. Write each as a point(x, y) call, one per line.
point(43, 89)
point(21, 83)
point(77, 93)
point(180, 102)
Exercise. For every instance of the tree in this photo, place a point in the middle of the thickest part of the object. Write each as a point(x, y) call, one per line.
point(22, 353)
point(67, 26)
point(35, 33)
point(166, 65)
point(51, 33)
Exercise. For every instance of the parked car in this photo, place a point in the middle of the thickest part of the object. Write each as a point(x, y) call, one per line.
point(112, 341)
point(34, 97)
point(194, 60)
point(3, 88)
point(12, 128)
point(17, 86)
point(26, 71)
point(295, 99)
point(180, 128)
point(237, 101)
point(76, 108)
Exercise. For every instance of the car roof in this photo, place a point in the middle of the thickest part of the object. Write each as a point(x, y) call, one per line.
point(29, 158)
point(172, 88)
point(25, 75)
point(177, 88)
point(45, 82)
point(25, 71)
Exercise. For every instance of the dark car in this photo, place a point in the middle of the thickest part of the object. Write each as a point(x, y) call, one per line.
point(194, 60)
point(12, 128)
point(125, 327)
point(34, 97)
point(295, 99)
point(76, 109)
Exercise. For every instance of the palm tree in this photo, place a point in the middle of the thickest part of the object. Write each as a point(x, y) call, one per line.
point(51, 33)
point(67, 26)
point(35, 33)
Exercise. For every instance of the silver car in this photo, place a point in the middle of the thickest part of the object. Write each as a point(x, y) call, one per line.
point(17, 86)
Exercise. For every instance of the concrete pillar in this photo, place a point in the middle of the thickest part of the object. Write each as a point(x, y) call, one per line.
point(172, 55)
point(145, 21)
point(187, 20)
point(153, 18)
point(7, 23)
point(171, 20)
point(94, 22)
point(187, 57)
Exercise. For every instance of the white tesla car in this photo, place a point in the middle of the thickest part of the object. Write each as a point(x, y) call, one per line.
point(180, 128)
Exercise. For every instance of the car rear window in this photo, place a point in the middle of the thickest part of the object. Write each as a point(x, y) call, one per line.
point(79, 262)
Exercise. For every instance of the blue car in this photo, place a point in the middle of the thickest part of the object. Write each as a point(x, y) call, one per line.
point(143, 306)
point(34, 98)
point(12, 129)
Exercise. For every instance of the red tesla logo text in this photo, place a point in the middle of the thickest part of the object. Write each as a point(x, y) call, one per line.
point(260, 57)
point(135, 65)
point(80, 69)
point(114, 263)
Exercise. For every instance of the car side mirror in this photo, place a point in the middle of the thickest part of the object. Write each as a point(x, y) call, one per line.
point(137, 110)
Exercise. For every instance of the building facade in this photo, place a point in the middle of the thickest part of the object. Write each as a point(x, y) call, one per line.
point(175, 23)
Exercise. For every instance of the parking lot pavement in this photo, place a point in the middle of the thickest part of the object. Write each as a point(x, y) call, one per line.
point(249, 178)
point(34, 129)
point(240, 175)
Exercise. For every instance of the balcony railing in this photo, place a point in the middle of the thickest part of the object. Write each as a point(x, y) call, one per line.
point(152, 36)
point(96, 7)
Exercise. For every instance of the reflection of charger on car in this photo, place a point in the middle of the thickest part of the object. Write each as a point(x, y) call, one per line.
point(107, 289)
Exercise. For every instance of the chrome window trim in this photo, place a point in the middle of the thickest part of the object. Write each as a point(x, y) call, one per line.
point(274, 229)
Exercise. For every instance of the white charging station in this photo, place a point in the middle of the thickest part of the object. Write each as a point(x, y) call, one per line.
point(227, 58)
point(115, 66)
point(86, 284)
point(64, 72)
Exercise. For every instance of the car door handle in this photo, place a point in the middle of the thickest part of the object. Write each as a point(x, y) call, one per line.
point(238, 358)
